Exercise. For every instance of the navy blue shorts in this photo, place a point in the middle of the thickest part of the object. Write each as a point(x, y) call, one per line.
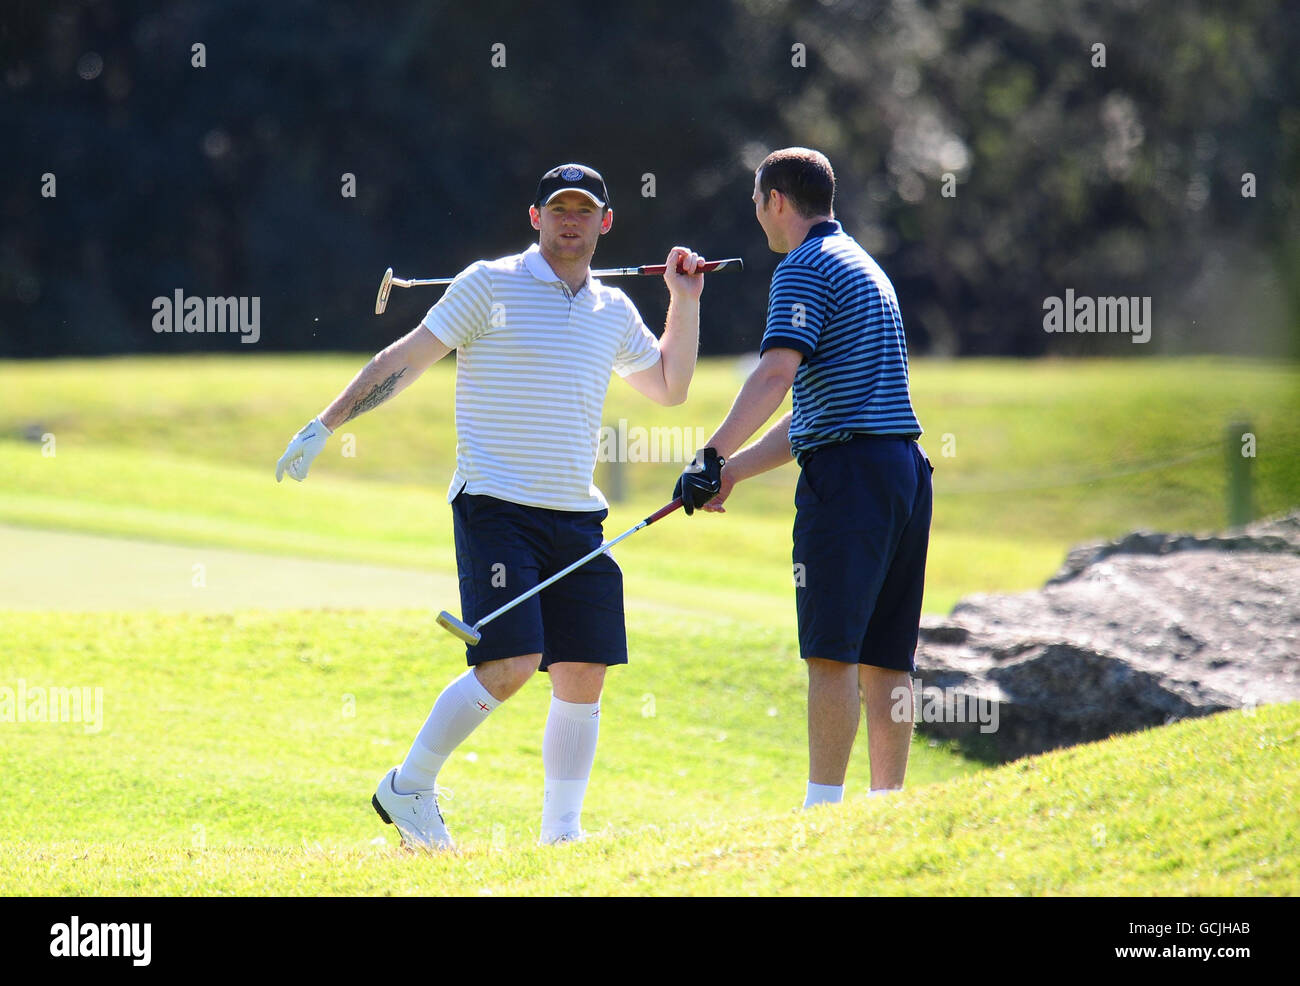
point(503, 549)
point(861, 530)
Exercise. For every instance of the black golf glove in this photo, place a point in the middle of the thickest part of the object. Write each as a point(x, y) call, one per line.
point(701, 481)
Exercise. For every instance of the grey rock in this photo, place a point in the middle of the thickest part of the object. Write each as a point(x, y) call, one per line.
point(1131, 633)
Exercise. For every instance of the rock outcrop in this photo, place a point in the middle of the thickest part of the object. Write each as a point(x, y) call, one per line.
point(1128, 634)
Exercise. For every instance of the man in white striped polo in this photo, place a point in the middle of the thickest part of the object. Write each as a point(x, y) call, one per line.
point(863, 503)
point(536, 338)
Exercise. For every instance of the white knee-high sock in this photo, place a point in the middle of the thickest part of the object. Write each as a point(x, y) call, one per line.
point(568, 751)
point(460, 708)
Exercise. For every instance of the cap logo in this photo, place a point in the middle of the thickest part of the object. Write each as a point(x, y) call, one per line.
point(571, 174)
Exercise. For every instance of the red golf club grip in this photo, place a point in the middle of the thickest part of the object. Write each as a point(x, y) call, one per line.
point(707, 267)
point(664, 511)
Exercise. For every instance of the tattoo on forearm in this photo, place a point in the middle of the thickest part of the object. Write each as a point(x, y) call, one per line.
point(379, 393)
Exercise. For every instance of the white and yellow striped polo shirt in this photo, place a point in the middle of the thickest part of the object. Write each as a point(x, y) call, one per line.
point(532, 368)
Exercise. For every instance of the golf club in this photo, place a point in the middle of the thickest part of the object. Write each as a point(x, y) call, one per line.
point(471, 635)
point(390, 281)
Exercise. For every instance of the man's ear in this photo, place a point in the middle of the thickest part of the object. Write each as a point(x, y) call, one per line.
point(534, 217)
point(607, 221)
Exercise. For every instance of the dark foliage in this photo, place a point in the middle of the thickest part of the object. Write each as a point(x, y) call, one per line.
point(226, 180)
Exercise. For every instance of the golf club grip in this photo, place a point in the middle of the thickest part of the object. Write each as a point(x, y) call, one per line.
point(707, 267)
point(663, 511)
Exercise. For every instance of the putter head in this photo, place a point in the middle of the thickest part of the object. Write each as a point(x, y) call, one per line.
point(386, 285)
point(458, 628)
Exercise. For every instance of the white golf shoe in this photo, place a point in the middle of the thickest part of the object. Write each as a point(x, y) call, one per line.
point(561, 838)
point(416, 816)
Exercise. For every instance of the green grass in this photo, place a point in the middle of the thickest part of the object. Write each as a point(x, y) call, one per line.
point(237, 754)
point(254, 730)
point(238, 750)
point(1044, 454)
point(65, 570)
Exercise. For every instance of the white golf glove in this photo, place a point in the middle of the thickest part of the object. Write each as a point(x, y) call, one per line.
point(303, 448)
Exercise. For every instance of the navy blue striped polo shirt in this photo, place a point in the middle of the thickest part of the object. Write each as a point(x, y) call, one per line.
point(833, 304)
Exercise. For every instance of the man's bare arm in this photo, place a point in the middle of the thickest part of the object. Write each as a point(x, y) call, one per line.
point(758, 399)
point(679, 347)
point(389, 373)
point(706, 479)
point(669, 380)
point(769, 452)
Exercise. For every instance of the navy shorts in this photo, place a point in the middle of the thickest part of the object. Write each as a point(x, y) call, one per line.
point(861, 530)
point(503, 549)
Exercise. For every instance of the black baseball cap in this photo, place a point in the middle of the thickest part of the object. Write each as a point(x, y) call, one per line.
point(572, 178)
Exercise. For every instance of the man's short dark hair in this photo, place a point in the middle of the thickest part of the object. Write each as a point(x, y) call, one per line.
point(802, 175)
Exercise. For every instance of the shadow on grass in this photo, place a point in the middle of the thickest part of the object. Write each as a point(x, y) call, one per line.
point(978, 747)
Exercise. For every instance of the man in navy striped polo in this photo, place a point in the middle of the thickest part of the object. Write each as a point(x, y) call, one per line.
point(536, 338)
point(863, 501)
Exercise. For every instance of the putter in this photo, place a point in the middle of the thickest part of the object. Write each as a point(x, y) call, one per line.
point(390, 281)
point(471, 634)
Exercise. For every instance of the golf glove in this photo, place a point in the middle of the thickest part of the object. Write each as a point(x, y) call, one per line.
point(303, 448)
point(701, 481)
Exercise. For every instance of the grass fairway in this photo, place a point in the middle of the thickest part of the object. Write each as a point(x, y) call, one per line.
point(114, 573)
point(241, 737)
point(1030, 456)
point(270, 731)
point(236, 754)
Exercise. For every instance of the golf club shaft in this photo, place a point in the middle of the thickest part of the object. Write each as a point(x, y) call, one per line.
point(650, 270)
point(707, 267)
point(420, 282)
point(661, 512)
